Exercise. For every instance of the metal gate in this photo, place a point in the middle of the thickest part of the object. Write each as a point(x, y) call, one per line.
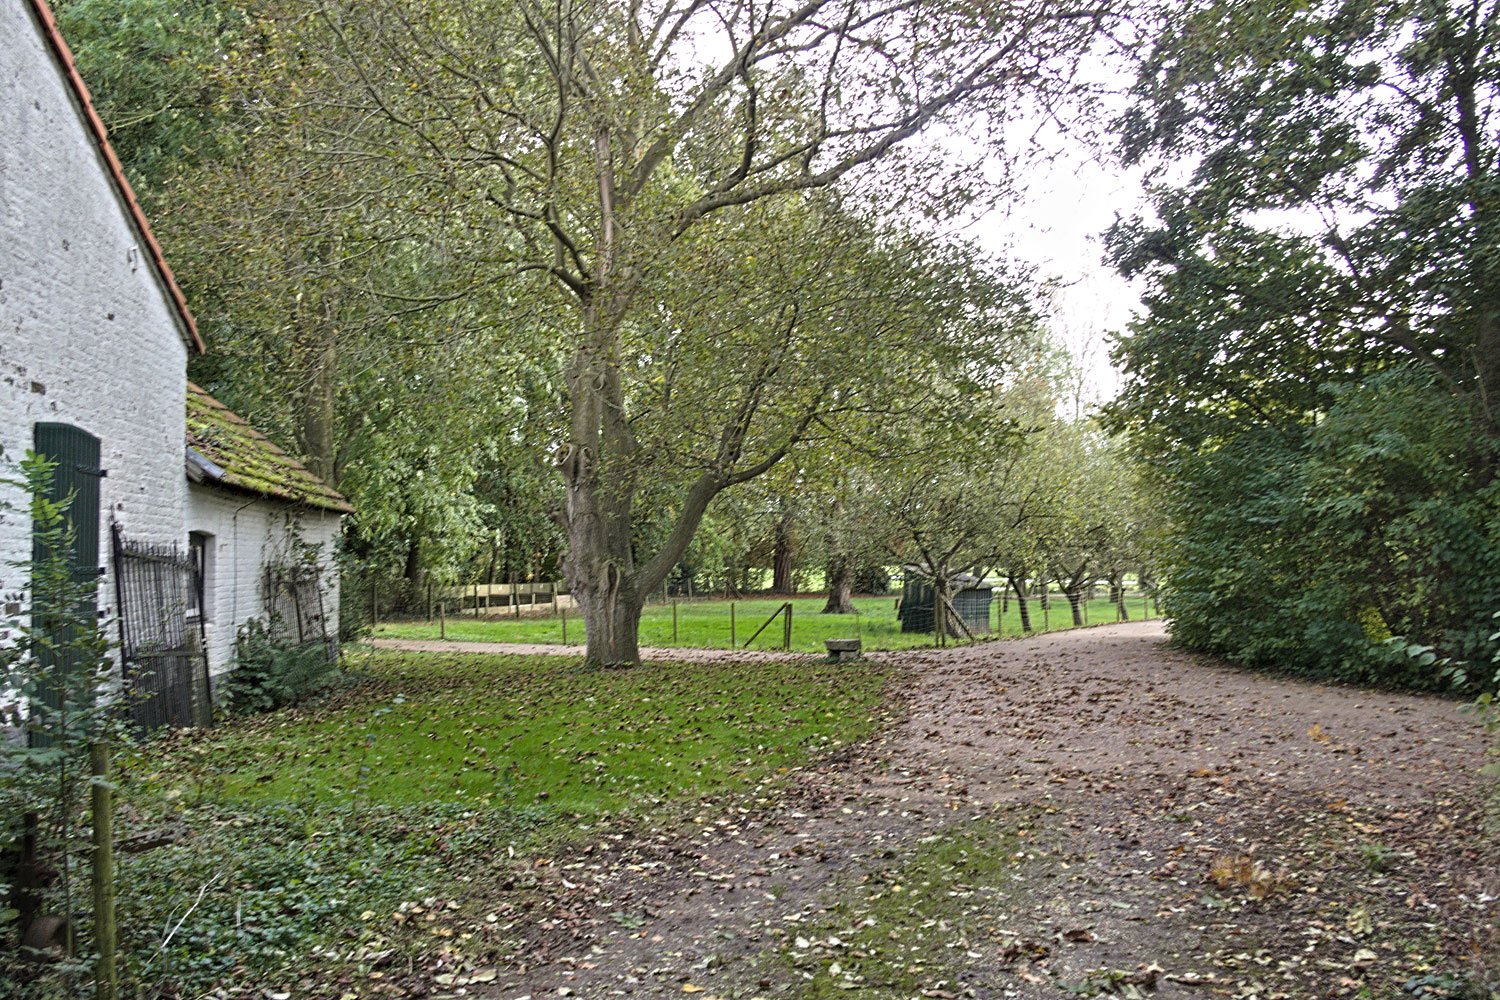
point(294, 605)
point(165, 663)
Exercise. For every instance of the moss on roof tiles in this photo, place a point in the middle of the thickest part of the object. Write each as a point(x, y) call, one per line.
point(249, 459)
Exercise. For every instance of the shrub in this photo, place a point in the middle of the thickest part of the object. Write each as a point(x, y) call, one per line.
point(1304, 548)
point(270, 672)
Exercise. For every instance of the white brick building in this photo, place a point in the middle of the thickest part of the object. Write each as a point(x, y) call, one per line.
point(262, 529)
point(94, 341)
point(93, 333)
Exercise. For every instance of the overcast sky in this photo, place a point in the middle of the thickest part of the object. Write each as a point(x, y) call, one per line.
point(1058, 227)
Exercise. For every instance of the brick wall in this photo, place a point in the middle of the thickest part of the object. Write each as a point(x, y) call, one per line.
point(246, 535)
point(87, 334)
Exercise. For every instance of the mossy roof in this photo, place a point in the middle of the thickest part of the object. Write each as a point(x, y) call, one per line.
point(239, 456)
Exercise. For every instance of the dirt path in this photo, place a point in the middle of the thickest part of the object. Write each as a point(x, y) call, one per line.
point(1082, 813)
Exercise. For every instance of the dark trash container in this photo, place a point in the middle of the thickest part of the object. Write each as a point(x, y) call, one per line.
point(971, 599)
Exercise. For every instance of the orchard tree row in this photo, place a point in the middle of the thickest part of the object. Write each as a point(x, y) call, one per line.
point(1000, 488)
point(649, 251)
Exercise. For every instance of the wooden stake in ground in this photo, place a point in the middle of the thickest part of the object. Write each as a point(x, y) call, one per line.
point(106, 977)
point(939, 629)
point(958, 619)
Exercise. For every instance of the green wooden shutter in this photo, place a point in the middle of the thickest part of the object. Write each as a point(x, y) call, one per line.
point(76, 453)
point(75, 478)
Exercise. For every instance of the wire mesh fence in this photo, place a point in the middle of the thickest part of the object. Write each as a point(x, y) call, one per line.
point(796, 623)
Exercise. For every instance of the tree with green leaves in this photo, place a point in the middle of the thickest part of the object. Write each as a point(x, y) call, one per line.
point(1340, 212)
point(312, 279)
point(654, 167)
point(59, 694)
point(150, 69)
point(1326, 216)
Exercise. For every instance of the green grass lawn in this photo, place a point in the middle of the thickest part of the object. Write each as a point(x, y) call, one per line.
point(297, 839)
point(706, 623)
point(534, 732)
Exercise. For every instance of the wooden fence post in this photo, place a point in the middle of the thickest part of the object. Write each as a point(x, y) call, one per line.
point(732, 640)
point(786, 641)
point(939, 626)
point(106, 977)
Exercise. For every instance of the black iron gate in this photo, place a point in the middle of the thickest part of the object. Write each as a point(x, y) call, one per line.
point(165, 663)
point(294, 605)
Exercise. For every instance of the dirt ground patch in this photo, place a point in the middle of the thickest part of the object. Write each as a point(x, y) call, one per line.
point(1085, 813)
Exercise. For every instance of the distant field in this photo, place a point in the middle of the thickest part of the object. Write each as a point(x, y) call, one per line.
point(705, 623)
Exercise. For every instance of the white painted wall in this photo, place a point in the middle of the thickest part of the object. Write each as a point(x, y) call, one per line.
point(87, 334)
point(249, 533)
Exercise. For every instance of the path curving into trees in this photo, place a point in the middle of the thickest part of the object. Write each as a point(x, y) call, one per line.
point(1050, 807)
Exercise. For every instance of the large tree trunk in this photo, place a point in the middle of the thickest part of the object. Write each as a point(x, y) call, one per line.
point(413, 572)
point(1117, 593)
point(781, 557)
point(612, 627)
point(599, 469)
point(317, 414)
point(840, 587)
point(840, 571)
point(1018, 584)
point(601, 573)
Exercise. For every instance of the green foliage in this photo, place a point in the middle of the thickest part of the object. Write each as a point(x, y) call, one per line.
point(257, 889)
point(1303, 551)
point(149, 68)
point(55, 686)
point(872, 578)
point(270, 671)
point(1314, 384)
point(57, 664)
